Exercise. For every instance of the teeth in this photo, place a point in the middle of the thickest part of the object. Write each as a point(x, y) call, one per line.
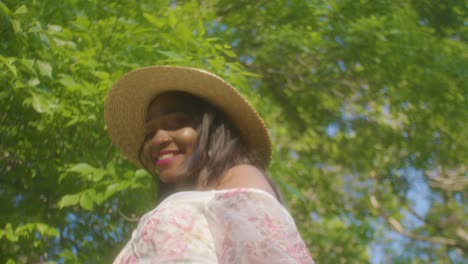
point(165, 156)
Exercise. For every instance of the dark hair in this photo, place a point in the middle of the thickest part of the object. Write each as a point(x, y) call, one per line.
point(218, 148)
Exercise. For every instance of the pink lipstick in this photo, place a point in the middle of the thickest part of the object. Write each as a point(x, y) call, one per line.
point(166, 157)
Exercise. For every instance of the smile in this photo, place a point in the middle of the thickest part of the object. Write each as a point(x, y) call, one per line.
point(165, 158)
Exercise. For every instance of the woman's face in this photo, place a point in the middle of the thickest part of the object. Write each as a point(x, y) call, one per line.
point(170, 135)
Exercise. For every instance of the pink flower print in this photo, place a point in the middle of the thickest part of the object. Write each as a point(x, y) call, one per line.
point(271, 226)
point(268, 220)
point(225, 248)
point(149, 230)
point(249, 249)
point(252, 219)
point(131, 259)
point(172, 247)
point(232, 193)
point(298, 251)
point(184, 221)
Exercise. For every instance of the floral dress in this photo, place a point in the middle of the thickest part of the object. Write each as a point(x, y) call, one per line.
point(221, 226)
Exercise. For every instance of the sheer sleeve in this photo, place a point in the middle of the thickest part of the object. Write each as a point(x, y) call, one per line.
point(250, 226)
point(241, 226)
point(174, 232)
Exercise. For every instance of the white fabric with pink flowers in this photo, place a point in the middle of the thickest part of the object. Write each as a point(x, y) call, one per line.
point(223, 226)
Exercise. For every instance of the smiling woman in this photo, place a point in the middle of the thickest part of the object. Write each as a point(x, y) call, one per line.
point(208, 150)
point(171, 135)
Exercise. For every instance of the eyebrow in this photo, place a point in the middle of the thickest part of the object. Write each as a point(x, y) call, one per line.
point(177, 108)
point(164, 112)
point(151, 124)
point(173, 109)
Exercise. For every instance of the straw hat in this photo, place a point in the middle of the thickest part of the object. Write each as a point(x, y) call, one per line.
point(129, 98)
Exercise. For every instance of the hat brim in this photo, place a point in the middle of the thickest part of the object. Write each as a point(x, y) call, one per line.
point(128, 100)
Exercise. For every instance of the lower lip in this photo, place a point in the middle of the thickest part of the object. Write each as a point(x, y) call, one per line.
point(164, 162)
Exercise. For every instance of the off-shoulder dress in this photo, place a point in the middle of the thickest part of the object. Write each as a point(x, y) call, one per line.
point(235, 226)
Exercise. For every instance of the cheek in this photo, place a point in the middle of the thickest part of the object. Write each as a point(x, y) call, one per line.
point(187, 138)
point(146, 156)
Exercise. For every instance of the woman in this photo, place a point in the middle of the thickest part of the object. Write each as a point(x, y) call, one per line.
point(208, 150)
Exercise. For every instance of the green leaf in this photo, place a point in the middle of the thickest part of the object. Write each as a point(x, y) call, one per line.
point(9, 64)
point(229, 53)
point(201, 29)
point(42, 228)
point(141, 173)
point(21, 10)
point(67, 81)
point(172, 19)
point(34, 82)
point(88, 172)
point(16, 26)
point(82, 168)
point(10, 234)
point(153, 20)
point(87, 199)
point(73, 121)
point(46, 230)
point(4, 9)
point(69, 200)
point(251, 74)
point(44, 68)
point(68, 256)
point(29, 64)
point(102, 75)
point(100, 198)
point(52, 232)
point(171, 55)
point(116, 187)
point(62, 176)
point(42, 104)
point(24, 230)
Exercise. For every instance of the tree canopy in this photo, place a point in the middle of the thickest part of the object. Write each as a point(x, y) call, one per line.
point(366, 102)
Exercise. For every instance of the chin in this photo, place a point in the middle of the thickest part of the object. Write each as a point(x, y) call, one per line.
point(170, 174)
point(166, 179)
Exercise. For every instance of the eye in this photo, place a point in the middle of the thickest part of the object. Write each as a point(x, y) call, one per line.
point(176, 120)
point(150, 129)
point(148, 136)
point(172, 121)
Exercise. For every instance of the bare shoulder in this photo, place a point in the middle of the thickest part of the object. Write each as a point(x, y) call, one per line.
point(245, 176)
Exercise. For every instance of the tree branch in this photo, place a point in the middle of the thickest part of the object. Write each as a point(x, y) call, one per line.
point(449, 180)
point(127, 218)
point(437, 240)
point(398, 227)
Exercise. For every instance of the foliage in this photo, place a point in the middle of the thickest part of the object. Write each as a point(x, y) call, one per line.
point(365, 100)
point(373, 97)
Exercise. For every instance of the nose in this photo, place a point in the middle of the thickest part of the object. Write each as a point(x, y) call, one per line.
point(155, 144)
point(161, 137)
